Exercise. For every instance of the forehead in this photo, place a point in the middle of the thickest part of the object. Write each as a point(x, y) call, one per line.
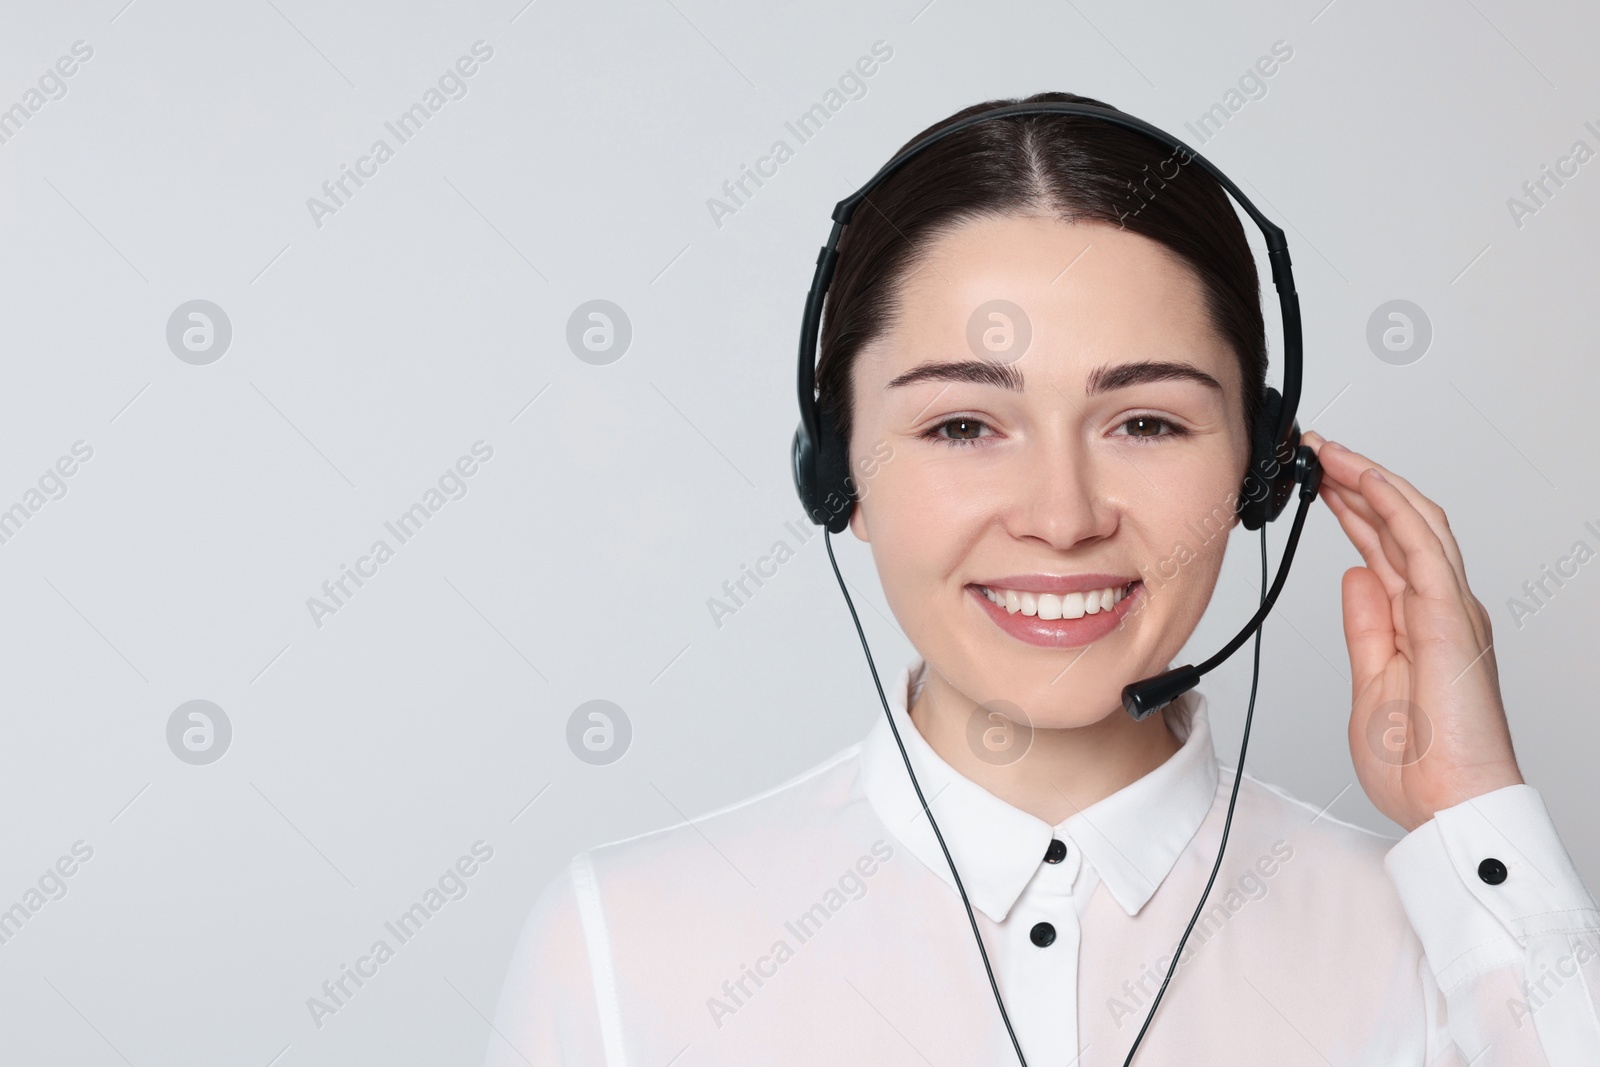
point(1089, 291)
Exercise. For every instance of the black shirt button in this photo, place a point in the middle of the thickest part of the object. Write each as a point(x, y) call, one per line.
point(1055, 853)
point(1492, 871)
point(1042, 934)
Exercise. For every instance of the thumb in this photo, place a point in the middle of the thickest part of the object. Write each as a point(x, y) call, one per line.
point(1368, 627)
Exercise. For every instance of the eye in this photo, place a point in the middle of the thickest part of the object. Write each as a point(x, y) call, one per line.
point(965, 424)
point(968, 430)
point(1146, 422)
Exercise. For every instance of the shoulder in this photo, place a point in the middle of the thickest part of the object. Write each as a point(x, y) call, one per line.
point(756, 840)
point(710, 889)
point(1304, 901)
point(649, 925)
point(1326, 841)
point(1313, 821)
point(1333, 865)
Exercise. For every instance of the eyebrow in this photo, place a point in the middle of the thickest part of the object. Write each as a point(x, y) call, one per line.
point(1101, 379)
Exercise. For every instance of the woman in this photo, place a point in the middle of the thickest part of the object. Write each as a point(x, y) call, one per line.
point(1044, 519)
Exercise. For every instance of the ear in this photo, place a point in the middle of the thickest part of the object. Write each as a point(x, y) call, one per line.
point(858, 522)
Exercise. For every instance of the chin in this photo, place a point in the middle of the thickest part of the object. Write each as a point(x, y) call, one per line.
point(1054, 702)
point(1077, 718)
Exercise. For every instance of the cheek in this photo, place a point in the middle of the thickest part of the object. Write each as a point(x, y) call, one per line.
point(1206, 498)
point(1186, 522)
point(908, 541)
point(920, 535)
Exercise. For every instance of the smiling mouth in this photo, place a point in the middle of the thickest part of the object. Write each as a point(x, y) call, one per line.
point(1051, 606)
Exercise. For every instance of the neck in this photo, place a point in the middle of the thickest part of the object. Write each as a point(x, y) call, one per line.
point(1064, 771)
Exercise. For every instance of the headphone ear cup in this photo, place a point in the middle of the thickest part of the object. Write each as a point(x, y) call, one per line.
point(1270, 480)
point(803, 461)
point(821, 476)
point(834, 500)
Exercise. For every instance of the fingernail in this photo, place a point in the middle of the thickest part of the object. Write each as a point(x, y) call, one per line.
point(1336, 444)
point(1376, 473)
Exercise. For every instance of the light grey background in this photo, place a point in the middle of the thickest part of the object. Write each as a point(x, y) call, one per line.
point(430, 312)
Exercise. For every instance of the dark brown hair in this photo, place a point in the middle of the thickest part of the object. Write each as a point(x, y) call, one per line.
point(1068, 166)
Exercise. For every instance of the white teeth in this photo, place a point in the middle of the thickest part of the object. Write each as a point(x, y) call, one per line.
point(1050, 606)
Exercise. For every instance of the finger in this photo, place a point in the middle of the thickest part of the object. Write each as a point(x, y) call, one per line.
point(1367, 525)
point(1364, 512)
point(1460, 616)
point(1392, 550)
point(1368, 627)
point(1346, 467)
point(1385, 556)
point(1410, 542)
point(1344, 497)
point(1363, 534)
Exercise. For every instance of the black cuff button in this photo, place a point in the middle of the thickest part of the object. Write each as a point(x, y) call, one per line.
point(1492, 871)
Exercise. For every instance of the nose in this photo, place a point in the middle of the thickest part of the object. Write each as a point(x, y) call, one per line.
point(1057, 492)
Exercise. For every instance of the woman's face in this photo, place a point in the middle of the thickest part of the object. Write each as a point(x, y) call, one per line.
point(1088, 434)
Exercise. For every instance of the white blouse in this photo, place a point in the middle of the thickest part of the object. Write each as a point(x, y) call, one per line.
point(817, 923)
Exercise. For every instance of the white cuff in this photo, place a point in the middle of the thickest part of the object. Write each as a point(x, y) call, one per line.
point(1448, 875)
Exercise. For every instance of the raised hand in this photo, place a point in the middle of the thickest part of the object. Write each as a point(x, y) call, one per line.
point(1427, 723)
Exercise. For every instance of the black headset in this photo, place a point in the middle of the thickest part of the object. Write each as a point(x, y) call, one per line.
point(1278, 462)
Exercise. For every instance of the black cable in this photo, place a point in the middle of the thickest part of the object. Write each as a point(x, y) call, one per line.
point(827, 539)
point(1238, 776)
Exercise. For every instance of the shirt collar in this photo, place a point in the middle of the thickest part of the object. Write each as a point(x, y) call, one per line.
point(1131, 838)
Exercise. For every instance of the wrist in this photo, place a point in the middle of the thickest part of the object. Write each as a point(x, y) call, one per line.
point(1461, 789)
